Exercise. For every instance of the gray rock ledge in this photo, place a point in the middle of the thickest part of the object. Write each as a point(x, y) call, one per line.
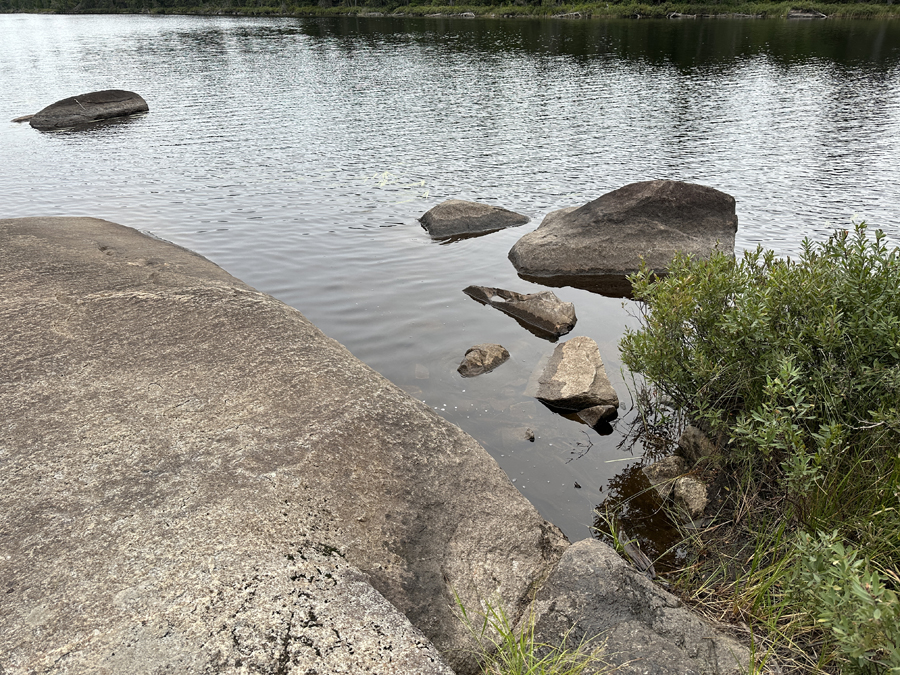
point(194, 478)
point(646, 629)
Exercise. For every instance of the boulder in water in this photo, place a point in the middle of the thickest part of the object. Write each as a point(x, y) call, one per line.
point(643, 222)
point(85, 108)
point(456, 217)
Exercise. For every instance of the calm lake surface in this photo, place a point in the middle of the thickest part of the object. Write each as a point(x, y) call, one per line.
point(298, 154)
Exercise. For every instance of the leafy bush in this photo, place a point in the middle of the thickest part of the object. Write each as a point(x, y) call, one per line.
point(797, 364)
point(849, 599)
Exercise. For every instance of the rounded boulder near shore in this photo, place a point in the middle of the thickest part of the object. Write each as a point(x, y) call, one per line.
point(86, 108)
point(647, 222)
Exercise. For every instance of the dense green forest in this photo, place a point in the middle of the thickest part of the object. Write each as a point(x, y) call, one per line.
point(574, 9)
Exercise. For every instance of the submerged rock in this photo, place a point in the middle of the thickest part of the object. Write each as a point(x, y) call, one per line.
point(482, 359)
point(543, 310)
point(598, 413)
point(454, 217)
point(86, 108)
point(611, 235)
point(662, 474)
point(574, 377)
point(595, 596)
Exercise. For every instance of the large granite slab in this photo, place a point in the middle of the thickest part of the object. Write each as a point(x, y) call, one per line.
point(194, 478)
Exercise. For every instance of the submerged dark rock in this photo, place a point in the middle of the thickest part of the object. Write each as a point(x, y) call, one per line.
point(643, 222)
point(542, 311)
point(456, 217)
point(482, 359)
point(86, 108)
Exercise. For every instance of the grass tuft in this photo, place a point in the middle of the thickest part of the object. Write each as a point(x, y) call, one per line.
point(505, 648)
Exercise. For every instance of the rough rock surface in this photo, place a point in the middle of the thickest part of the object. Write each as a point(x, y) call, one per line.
point(694, 445)
point(542, 311)
point(647, 221)
point(86, 108)
point(691, 494)
point(194, 478)
point(596, 414)
point(646, 629)
point(454, 217)
point(662, 474)
point(574, 377)
point(482, 359)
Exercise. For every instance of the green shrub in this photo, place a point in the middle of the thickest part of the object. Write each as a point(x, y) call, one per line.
point(851, 601)
point(797, 364)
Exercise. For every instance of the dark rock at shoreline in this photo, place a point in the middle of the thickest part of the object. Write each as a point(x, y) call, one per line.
point(595, 596)
point(662, 474)
point(482, 359)
point(612, 235)
point(543, 310)
point(87, 108)
point(694, 445)
point(455, 217)
point(574, 378)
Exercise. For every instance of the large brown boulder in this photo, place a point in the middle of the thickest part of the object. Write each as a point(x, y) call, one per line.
point(196, 479)
point(611, 235)
point(86, 108)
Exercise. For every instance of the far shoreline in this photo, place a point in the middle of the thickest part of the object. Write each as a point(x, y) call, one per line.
point(574, 12)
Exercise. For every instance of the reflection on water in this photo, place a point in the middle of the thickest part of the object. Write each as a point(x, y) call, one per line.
point(298, 154)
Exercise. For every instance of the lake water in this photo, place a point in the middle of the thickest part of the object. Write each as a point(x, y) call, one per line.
point(298, 154)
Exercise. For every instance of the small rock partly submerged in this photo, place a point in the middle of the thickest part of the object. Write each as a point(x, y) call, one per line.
point(455, 217)
point(482, 359)
point(543, 310)
point(574, 378)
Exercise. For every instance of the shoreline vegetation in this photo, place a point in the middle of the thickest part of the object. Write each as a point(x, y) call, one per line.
point(543, 9)
point(791, 367)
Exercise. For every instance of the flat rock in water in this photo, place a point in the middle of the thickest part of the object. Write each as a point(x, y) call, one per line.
point(647, 221)
point(482, 359)
point(543, 311)
point(86, 108)
point(574, 377)
point(455, 217)
point(595, 596)
point(195, 479)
